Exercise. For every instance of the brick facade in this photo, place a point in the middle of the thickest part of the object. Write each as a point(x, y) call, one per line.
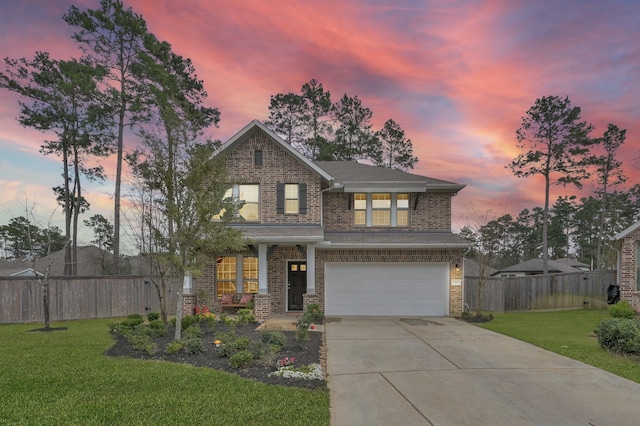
point(431, 213)
point(628, 269)
point(279, 166)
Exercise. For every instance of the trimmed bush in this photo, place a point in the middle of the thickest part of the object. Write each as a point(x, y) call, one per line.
point(158, 328)
point(241, 359)
point(193, 331)
point(620, 335)
point(174, 347)
point(622, 310)
point(153, 316)
point(273, 337)
point(245, 316)
point(314, 313)
point(193, 345)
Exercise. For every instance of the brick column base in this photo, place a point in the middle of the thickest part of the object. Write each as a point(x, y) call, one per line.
point(308, 299)
point(188, 304)
point(262, 307)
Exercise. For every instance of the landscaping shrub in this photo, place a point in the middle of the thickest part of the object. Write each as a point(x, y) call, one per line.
point(153, 316)
point(622, 310)
point(174, 347)
point(469, 317)
point(140, 339)
point(314, 313)
point(239, 344)
point(245, 316)
point(620, 335)
point(302, 331)
point(241, 359)
point(158, 328)
point(193, 331)
point(132, 321)
point(273, 337)
point(193, 345)
point(188, 321)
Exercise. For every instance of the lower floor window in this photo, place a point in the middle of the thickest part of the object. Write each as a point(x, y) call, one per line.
point(228, 278)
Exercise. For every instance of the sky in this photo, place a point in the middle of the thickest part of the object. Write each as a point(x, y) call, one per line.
point(456, 75)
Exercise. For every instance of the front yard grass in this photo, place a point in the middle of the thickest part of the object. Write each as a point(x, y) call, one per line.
point(568, 333)
point(63, 377)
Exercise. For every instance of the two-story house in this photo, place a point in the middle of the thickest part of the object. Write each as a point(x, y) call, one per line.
point(354, 238)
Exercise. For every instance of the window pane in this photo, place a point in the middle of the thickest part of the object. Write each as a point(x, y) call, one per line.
point(249, 193)
point(402, 218)
point(291, 191)
point(291, 206)
point(360, 217)
point(250, 268)
point(250, 287)
point(226, 276)
point(250, 212)
point(381, 217)
point(403, 201)
point(360, 201)
point(381, 201)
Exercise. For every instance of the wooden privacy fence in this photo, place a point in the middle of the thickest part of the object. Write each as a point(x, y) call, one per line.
point(554, 291)
point(78, 298)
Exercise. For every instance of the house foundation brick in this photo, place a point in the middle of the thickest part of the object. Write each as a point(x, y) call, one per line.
point(262, 307)
point(308, 299)
point(188, 304)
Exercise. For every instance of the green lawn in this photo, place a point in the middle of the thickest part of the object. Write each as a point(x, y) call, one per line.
point(64, 378)
point(569, 333)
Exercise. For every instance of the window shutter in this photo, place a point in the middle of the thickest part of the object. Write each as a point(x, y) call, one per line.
point(280, 198)
point(303, 198)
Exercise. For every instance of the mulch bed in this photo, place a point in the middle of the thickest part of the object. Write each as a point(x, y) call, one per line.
point(209, 358)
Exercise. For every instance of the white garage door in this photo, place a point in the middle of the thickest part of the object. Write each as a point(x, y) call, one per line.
point(380, 289)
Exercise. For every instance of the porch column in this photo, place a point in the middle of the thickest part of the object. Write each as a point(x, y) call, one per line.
point(311, 269)
point(262, 269)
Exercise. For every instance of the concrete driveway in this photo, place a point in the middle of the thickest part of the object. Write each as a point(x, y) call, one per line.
point(441, 371)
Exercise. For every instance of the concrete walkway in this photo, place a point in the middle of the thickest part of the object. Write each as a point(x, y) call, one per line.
point(441, 371)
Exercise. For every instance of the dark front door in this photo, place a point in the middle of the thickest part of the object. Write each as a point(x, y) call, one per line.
point(296, 285)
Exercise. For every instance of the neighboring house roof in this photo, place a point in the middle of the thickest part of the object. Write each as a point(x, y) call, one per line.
point(29, 272)
point(393, 239)
point(472, 268)
point(535, 266)
point(247, 130)
point(627, 231)
point(357, 177)
point(575, 263)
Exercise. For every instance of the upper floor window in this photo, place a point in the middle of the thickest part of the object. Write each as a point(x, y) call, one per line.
point(291, 198)
point(381, 209)
point(249, 194)
point(360, 209)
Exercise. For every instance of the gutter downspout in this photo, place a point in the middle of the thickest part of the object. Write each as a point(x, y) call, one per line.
point(322, 191)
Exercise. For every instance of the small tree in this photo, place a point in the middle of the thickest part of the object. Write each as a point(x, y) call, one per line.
point(554, 142)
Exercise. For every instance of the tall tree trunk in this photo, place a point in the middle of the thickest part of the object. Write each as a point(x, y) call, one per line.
point(116, 208)
point(76, 213)
point(545, 228)
point(67, 213)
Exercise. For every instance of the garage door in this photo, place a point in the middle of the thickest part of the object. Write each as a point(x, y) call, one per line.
point(379, 289)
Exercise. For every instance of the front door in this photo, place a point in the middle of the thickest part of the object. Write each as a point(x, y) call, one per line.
point(296, 285)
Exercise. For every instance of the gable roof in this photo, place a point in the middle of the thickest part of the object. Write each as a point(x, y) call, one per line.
point(358, 177)
point(247, 130)
point(627, 231)
point(536, 266)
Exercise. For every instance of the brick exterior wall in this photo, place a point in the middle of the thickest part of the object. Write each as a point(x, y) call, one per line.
point(188, 304)
point(308, 299)
point(262, 307)
point(433, 213)
point(628, 270)
point(279, 166)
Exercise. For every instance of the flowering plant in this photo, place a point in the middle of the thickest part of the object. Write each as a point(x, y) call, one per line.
point(285, 361)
